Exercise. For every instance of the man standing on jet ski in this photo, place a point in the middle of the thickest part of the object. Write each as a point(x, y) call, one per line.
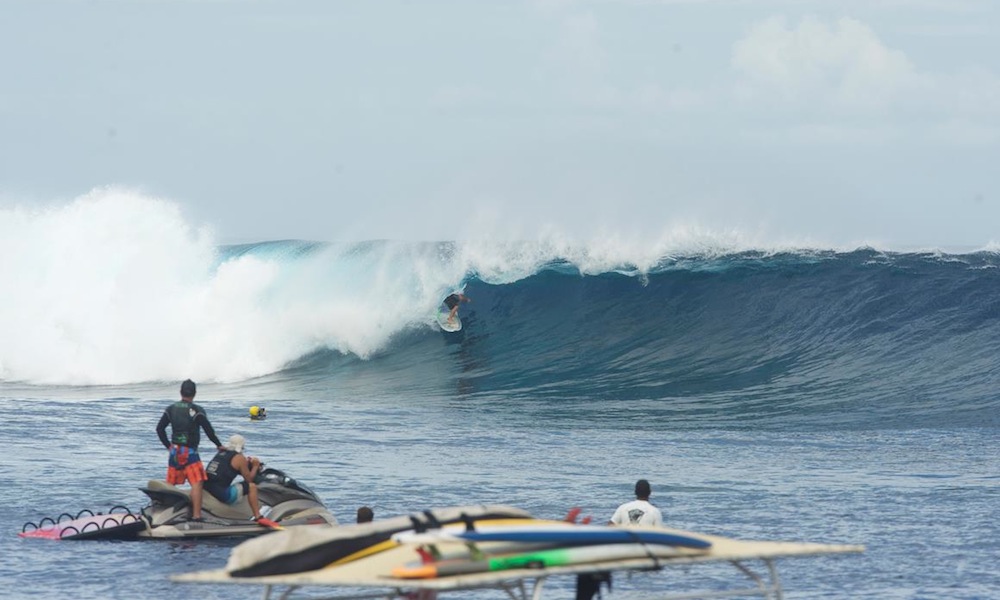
point(224, 468)
point(185, 419)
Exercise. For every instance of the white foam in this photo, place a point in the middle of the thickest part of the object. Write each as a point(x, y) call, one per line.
point(116, 287)
point(97, 289)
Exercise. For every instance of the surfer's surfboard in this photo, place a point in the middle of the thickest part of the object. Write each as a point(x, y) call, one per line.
point(442, 319)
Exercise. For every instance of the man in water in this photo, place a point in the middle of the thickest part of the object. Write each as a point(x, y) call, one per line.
point(365, 515)
point(184, 465)
point(638, 511)
point(224, 468)
point(452, 303)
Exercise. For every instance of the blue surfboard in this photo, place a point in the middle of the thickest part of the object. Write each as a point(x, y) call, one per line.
point(589, 537)
point(570, 535)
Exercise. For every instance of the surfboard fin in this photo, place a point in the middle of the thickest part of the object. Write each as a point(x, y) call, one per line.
point(474, 552)
point(426, 556)
point(418, 525)
point(432, 521)
point(470, 523)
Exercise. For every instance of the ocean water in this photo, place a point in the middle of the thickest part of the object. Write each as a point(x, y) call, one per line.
point(780, 393)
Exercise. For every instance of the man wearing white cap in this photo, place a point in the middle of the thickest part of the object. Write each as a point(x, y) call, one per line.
point(224, 468)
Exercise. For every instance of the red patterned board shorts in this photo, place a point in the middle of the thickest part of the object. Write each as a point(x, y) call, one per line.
point(184, 465)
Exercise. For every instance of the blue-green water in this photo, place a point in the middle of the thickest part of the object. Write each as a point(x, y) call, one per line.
point(841, 398)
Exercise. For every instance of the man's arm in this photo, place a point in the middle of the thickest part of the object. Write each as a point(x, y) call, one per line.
point(202, 420)
point(247, 468)
point(161, 430)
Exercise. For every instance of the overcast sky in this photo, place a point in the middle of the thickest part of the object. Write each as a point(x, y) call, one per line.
point(832, 121)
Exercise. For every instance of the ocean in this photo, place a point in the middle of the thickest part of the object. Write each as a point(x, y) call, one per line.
point(801, 394)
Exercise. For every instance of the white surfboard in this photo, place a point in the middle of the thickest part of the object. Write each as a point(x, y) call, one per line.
point(454, 325)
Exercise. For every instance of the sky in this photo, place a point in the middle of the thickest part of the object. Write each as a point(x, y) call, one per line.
point(831, 122)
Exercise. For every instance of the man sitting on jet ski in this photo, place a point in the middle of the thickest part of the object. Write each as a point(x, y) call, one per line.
point(224, 468)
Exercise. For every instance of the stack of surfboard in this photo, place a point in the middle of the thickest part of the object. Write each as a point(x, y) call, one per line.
point(304, 549)
point(453, 541)
point(476, 547)
point(537, 544)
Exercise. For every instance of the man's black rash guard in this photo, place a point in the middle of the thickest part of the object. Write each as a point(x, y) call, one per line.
point(200, 420)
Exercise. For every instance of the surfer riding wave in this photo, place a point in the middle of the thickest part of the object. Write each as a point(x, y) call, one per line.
point(452, 302)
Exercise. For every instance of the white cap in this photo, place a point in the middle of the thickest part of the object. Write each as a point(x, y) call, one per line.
point(236, 442)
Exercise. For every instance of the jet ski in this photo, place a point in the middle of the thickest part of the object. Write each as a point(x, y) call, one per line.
point(290, 502)
point(284, 501)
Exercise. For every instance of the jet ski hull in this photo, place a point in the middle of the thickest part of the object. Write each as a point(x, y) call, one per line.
point(284, 501)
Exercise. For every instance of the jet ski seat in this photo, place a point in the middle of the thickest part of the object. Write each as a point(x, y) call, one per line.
point(166, 493)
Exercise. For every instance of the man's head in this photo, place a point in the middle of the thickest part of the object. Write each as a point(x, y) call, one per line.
point(188, 389)
point(365, 514)
point(642, 489)
point(236, 443)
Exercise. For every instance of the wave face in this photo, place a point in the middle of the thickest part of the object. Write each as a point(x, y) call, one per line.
point(117, 289)
point(856, 339)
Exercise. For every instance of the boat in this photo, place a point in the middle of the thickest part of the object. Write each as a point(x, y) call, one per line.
point(285, 502)
point(430, 560)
